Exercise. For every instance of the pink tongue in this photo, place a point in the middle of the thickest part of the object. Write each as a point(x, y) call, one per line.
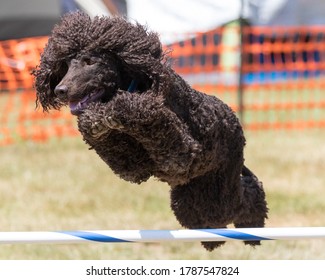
point(75, 108)
point(80, 105)
point(73, 105)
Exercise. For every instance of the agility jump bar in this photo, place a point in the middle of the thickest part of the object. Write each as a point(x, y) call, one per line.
point(116, 236)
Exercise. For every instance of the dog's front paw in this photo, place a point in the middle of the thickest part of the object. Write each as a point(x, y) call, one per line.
point(95, 122)
point(103, 126)
point(92, 124)
point(98, 129)
point(113, 123)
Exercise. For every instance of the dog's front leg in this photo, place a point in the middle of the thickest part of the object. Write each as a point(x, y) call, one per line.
point(162, 134)
point(94, 122)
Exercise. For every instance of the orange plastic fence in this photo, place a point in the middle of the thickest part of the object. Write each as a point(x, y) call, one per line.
point(283, 79)
point(19, 121)
point(17, 59)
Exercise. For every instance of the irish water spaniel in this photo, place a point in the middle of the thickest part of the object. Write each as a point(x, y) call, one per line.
point(144, 120)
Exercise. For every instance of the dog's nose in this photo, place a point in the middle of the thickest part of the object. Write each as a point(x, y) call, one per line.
point(61, 90)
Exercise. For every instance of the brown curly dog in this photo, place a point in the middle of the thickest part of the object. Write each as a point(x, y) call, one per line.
point(144, 120)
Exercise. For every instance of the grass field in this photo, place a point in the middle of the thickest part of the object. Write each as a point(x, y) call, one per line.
point(61, 185)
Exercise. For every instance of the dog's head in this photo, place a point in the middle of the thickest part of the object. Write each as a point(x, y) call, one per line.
point(88, 79)
point(91, 60)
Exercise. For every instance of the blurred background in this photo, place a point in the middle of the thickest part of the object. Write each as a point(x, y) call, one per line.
point(265, 58)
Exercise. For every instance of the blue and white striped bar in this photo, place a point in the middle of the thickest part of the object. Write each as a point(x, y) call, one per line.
point(113, 236)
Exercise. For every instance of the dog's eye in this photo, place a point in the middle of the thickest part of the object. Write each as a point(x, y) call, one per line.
point(88, 61)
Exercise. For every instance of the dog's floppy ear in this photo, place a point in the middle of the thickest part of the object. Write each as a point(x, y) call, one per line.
point(65, 42)
point(46, 79)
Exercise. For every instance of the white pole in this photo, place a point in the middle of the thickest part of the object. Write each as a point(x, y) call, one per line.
point(110, 236)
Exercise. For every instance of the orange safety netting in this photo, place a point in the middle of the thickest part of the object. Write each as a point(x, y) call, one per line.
point(19, 119)
point(17, 59)
point(284, 69)
point(282, 79)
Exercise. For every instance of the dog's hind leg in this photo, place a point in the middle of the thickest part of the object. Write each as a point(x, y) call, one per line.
point(184, 207)
point(254, 207)
point(198, 205)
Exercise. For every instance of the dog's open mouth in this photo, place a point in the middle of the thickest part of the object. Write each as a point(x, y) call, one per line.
point(76, 107)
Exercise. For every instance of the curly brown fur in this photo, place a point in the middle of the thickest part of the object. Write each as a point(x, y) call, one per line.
point(166, 129)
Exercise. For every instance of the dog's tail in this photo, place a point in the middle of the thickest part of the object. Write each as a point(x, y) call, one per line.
point(247, 172)
point(254, 210)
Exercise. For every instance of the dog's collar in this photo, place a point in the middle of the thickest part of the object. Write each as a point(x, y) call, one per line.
point(133, 86)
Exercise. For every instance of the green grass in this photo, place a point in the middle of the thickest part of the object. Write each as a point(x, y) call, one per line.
point(61, 185)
